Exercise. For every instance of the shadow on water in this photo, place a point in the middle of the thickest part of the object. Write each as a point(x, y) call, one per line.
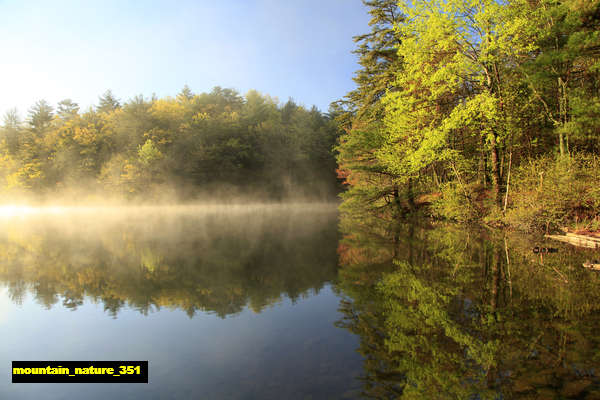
point(445, 312)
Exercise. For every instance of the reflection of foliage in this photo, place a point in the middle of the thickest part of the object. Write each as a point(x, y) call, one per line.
point(215, 263)
point(447, 313)
point(418, 315)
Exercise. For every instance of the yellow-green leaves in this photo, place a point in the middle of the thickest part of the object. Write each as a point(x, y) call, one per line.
point(148, 153)
point(451, 87)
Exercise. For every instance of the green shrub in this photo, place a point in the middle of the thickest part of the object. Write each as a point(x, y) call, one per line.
point(550, 192)
point(457, 203)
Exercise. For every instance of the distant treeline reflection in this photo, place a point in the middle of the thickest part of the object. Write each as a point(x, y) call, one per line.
point(215, 263)
point(448, 313)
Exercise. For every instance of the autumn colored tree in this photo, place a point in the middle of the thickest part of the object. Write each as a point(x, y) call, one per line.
point(209, 142)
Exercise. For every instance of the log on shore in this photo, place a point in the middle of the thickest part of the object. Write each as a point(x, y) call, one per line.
point(589, 265)
point(587, 237)
point(577, 240)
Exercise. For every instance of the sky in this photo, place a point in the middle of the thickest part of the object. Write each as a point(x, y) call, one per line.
point(300, 49)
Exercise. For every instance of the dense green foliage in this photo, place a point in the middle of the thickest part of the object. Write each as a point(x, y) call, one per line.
point(455, 95)
point(567, 190)
point(216, 143)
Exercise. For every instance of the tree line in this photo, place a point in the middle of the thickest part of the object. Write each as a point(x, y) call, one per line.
point(487, 110)
point(192, 144)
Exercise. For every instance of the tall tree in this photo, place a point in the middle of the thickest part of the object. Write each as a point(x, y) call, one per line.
point(363, 109)
point(108, 102)
point(563, 76)
point(378, 57)
point(185, 94)
point(12, 129)
point(453, 88)
point(39, 117)
point(67, 109)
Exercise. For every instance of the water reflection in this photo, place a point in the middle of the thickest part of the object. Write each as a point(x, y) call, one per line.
point(440, 312)
point(448, 313)
point(215, 259)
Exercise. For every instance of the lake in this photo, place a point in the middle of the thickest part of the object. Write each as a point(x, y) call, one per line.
point(294, 302)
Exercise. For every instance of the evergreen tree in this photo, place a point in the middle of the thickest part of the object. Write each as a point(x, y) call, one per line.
point(108, 102)
point(67, 109)
point(563, 77)
point(39, 117)
point(185, 94)
point(378, 58)
point(11, 130)
point(369, 182)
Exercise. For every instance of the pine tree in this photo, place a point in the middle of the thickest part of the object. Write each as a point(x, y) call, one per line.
point(563, 76)
point(363, 110)
point(67, 109)
point(40, 116)
point(377, 52)
point(108, 102)
point(185, 94)
point(12, 130)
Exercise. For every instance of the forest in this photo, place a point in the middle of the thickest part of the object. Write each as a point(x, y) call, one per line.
point(482, 110)
point(220, 144)
point(464, 110)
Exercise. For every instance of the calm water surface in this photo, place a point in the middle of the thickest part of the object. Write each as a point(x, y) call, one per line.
point(294, 302)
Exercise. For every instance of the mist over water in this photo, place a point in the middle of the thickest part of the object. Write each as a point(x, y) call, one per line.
point(118, 211)
point(211, 295)
point(291, 300)
point(207, 257)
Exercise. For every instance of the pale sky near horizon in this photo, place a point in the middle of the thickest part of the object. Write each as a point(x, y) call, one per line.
point(61, 49)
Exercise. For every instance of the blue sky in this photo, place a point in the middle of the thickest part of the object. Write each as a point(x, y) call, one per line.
point(77, 49)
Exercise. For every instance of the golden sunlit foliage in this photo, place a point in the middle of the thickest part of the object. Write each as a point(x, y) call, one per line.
point(454, 94)
point(194, 143)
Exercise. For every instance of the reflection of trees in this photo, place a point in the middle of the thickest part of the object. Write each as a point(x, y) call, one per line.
point(215, 263)
point(447, 313)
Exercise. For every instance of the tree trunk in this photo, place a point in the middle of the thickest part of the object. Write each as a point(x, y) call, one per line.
point(397, 198)
point(561, 145)
point(482, 170)
point(495, 281)
point(410, 194)
point(495, 170)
